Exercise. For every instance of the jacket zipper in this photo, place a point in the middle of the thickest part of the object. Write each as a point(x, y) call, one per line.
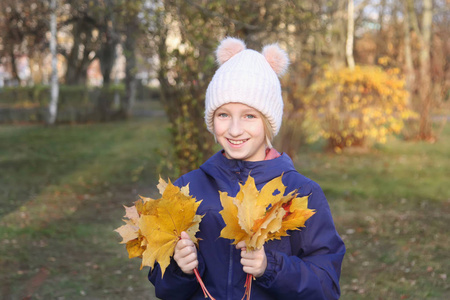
point(230, 263)
point(230, 275)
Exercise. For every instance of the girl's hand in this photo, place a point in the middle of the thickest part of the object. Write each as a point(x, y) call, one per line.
point(186, 254)
point(254, 262)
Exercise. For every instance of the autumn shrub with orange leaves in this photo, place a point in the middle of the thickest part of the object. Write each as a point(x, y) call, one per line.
point(359, 107)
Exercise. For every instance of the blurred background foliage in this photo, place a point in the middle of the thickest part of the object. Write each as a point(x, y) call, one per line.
point(401, 47)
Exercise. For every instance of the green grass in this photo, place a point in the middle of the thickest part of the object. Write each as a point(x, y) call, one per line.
point(61, 195)
point(391, 206)
point(62, 191)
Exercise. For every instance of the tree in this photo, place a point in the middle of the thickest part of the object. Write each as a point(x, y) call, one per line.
point(184, 71)
point(109, 38)
point(408, 65)
point(187, 35)
point(53, 107)
point(24, 27)
point(424, 38)
point(93, 27)
point(82, 26)
point(350, 34)
point(337, 32)
point(98, 27)
point(132, 29)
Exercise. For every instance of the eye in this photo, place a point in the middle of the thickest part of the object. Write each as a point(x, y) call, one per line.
point(250, 116)
point(222, 115)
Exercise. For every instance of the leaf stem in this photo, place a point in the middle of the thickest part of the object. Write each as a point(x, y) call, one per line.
point(200, 281)
point(248, 287)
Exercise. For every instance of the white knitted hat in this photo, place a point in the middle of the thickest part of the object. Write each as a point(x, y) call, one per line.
point(248, 77)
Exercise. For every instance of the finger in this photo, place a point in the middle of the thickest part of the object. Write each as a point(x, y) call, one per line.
point(245, 262)
point(191, 264)
point(185, 251)
point(248, 270)
point(252, 271)
point(189, 268)
point(252, 261)
point(185, 236)
point(241, 245)
point(183, 244)
point(184, 260)
point(249, 262)
point(253, 254)
point(186, 243)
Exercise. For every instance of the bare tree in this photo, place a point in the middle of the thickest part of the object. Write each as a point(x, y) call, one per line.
point(409, 65)
point(338, 37)
point(23, 29)
point(424, 37)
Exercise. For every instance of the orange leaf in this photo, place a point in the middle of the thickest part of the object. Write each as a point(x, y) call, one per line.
point(256, 217)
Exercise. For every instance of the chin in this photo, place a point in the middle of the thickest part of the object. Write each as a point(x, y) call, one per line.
point(233, 155)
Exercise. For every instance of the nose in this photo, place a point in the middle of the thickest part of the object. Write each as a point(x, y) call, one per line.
point(235, 128)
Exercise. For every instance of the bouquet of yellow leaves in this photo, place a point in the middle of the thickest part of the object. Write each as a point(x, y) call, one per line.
point(153, 227)
point(258, 216)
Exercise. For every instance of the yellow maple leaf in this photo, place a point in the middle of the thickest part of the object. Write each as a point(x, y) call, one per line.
point(258, 216)
point(154, 226)
point(129, 231)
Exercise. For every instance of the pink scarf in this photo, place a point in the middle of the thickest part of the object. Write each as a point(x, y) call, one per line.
point(271, 154)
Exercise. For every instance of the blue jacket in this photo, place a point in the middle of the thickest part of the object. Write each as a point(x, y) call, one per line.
point(304, 265)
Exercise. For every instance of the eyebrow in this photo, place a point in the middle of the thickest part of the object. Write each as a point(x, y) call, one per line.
point(251, 111)
point(245, 111)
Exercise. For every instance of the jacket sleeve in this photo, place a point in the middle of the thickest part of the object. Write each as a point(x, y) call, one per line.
point(175, 284)
point(313, 271)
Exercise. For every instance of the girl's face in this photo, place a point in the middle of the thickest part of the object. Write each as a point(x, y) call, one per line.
point(239, 129)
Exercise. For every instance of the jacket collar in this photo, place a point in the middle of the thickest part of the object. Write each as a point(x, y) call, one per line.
point(227, 172)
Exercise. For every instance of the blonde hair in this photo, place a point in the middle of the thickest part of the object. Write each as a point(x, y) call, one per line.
point(268, 129)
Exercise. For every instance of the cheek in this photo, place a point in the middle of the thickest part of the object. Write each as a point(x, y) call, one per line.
point(258, 130)
point(218, 127)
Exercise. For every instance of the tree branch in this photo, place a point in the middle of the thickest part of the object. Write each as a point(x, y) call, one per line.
point(230, 20)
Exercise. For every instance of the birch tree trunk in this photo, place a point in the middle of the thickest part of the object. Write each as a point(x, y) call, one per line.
point(350, 35)
point(53, 107)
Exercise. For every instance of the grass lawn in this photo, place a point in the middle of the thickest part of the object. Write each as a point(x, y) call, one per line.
point(392, 207)
point(62, 191)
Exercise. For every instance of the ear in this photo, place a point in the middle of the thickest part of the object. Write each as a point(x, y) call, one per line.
point(228, 48)
point(277, 58)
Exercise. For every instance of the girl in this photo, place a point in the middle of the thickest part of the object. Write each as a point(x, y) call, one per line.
point(243, 110)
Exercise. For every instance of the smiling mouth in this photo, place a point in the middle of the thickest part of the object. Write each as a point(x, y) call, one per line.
point(237, 142)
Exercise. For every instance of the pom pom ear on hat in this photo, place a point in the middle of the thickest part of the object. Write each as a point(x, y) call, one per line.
point(277, 58)
point(228, 48)
point(248, 77)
